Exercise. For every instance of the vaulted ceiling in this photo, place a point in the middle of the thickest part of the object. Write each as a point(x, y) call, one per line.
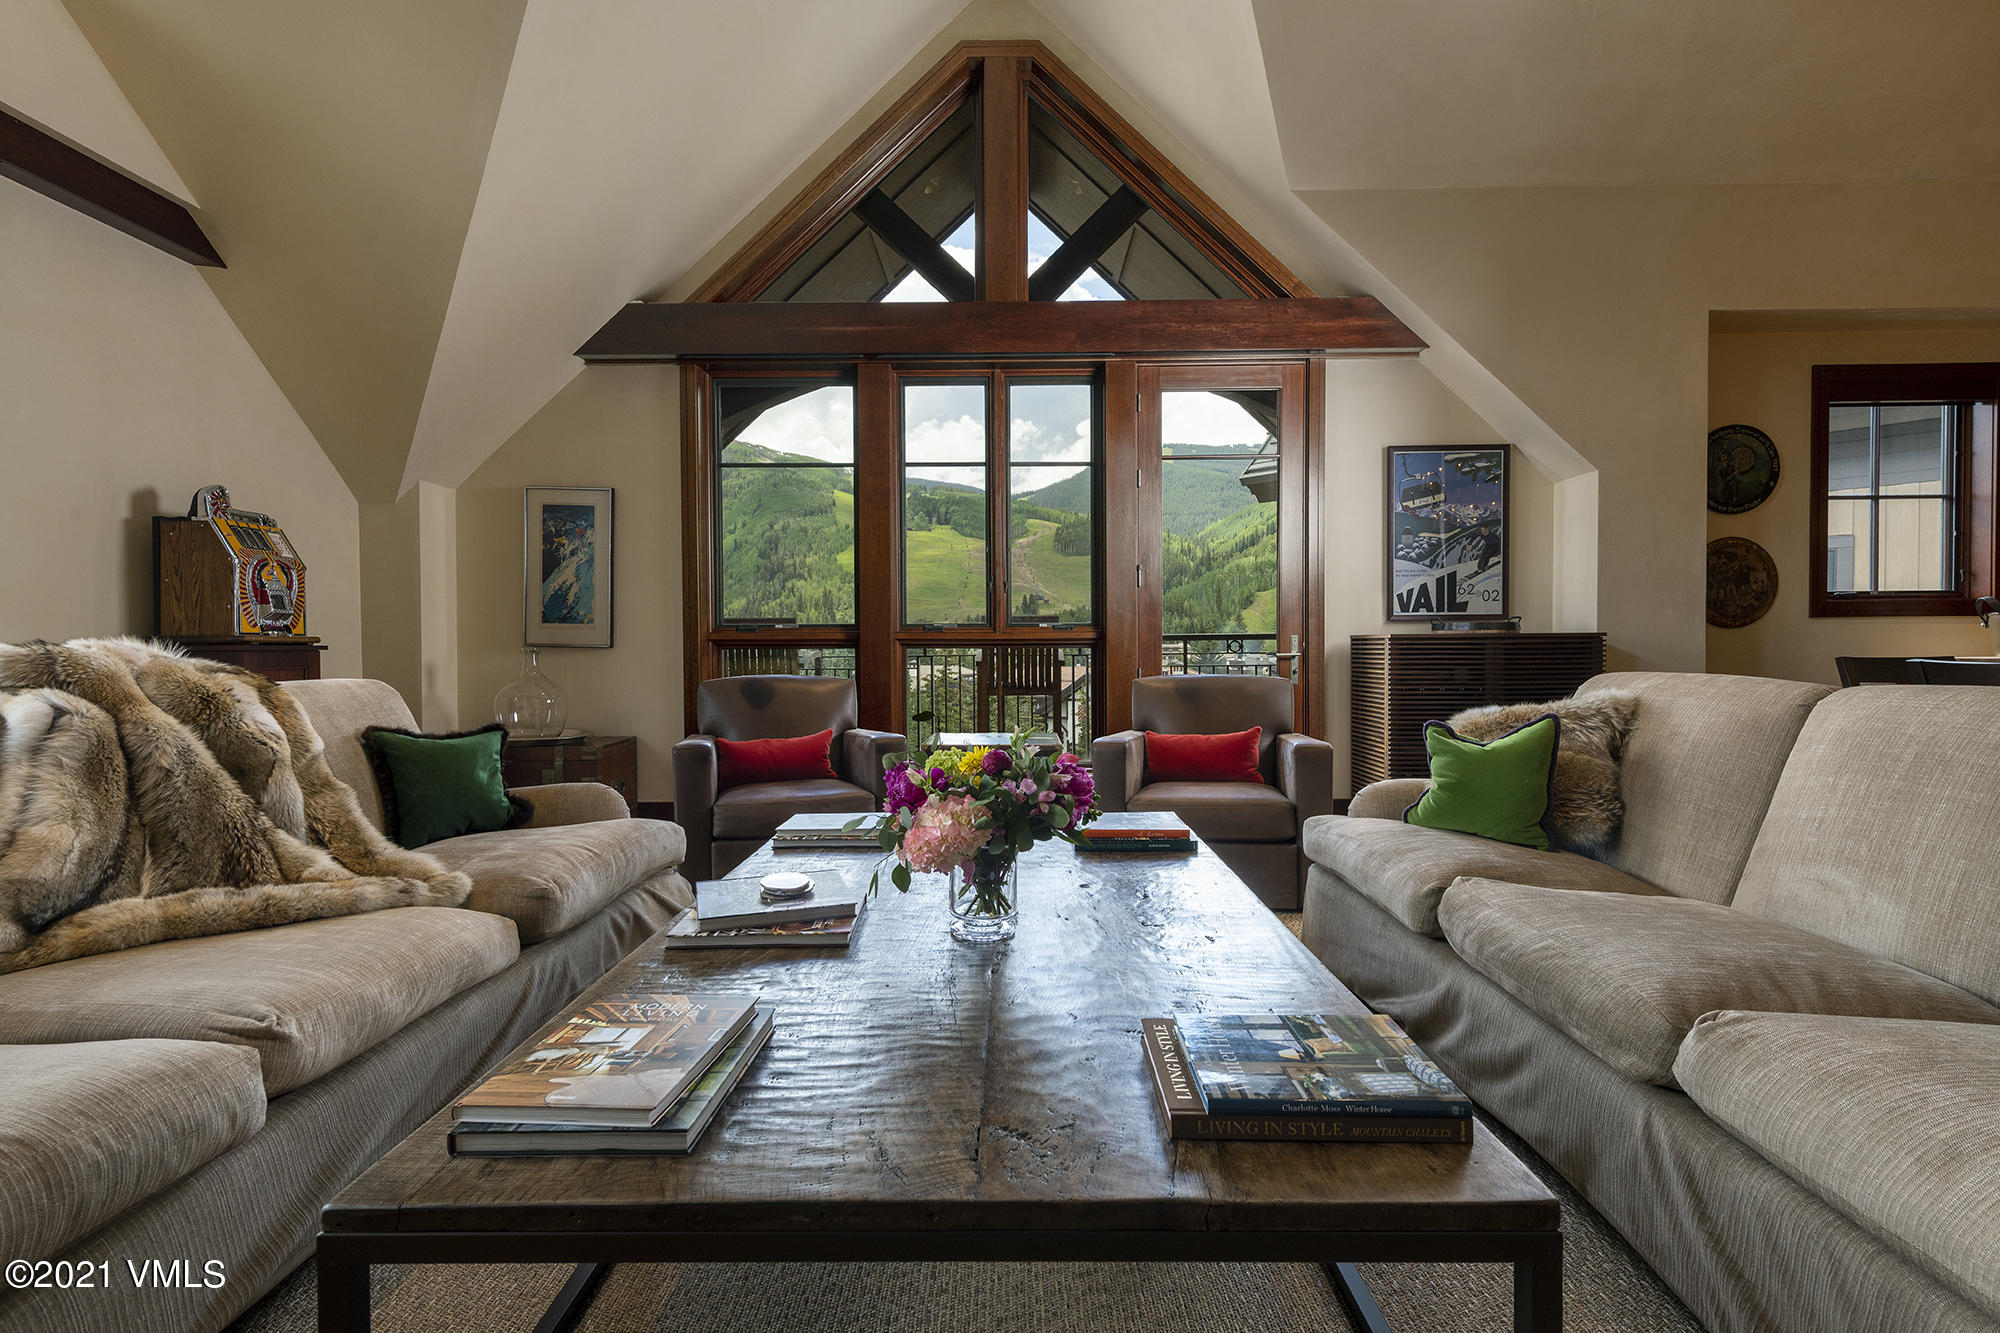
point(426, 207)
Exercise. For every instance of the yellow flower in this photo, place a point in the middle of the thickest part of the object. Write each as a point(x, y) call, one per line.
point(969, 761)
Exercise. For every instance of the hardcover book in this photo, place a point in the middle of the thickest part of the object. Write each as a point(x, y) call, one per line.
point(1137, 845)
point(824, 933)
point(620, 1060)
point(1150, 824)
point(1188, 1117)
point(1313, 1064)
point(830, 830)
point(677, 1131)
point(724, 904)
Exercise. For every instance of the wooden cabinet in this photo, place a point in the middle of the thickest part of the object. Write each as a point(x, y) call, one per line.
point(278, 657)
point(611, 760)
point(1401, 681)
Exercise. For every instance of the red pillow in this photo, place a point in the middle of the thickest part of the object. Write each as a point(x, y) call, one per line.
point(1228, 757)
point(785, 760)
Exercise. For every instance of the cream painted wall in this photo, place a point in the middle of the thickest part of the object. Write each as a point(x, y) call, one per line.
point(1764, 379)
point(50, 75)
point(1593, 304)
point(615, 426)
point(123, 389)
point(1372, 404)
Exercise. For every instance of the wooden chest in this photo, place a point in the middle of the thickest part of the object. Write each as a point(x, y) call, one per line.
point(275, 656)
point(1402, 681)
point(611, 760)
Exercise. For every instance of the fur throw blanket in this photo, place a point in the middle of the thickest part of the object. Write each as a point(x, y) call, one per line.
point(146, 795)
point(1586, 802)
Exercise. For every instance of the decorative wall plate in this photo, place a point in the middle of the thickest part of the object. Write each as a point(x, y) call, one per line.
point(1742, 582)
point(1742, 468)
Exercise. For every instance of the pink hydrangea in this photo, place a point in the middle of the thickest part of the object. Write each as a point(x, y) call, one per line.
point(942, 835)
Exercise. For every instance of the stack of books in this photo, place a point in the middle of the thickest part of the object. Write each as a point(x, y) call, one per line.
point(830, 831)
point(1136, 831)
point(632, 1072)
point(1310, 1078)
point(738, 913)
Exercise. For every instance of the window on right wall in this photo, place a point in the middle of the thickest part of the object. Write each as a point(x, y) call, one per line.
point(1903, 478)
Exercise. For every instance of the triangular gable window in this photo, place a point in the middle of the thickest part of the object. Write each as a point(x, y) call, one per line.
point(1001, 177)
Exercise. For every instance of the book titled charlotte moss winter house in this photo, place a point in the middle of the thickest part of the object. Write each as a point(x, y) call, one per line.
point(677, 1131)
point(1313, 1064)
point(620, 1060)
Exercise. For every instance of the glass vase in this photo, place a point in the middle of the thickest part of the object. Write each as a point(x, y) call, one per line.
point(530, 706)
point(984, 898)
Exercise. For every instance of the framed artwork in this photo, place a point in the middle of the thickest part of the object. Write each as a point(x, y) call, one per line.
point(1447, 531)
point(566, 535)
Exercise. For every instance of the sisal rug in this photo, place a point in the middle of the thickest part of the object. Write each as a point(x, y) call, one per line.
point(1606, 1289)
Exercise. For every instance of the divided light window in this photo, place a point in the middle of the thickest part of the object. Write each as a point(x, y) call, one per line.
point(945, 504)
point(1051, 503)
point(784, 503)
point(1903, 463)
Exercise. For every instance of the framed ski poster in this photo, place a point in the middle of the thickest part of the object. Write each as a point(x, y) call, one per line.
point(1447, 532)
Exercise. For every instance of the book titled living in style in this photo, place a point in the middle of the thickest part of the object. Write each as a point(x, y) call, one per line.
point(677, 1132)
point(622, 1059)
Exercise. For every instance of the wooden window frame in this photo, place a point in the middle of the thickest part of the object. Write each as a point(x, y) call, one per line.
point(1974, 387)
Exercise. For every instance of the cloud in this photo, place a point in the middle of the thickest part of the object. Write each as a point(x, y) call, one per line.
point(818, 425)
point(956, 440)
point(1206, 418)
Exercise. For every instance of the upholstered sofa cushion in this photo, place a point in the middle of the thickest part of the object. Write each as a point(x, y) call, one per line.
point(1224, 811)
point(91, 1128)
point(340, 710)
point(754, 811)
point(546, 880)
point(306, 998)
point(1628, 976)
point(1892, 1121)
point(1881, 831)
point(1405, 869)
point(1699, 766)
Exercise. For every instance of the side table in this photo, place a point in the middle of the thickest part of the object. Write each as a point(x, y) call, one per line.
point(611, 760)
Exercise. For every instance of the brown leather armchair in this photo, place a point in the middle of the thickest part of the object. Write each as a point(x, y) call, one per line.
point(1253, 827)
point(724, 827)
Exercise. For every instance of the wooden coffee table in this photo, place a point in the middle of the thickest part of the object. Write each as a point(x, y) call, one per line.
point(923, 1099)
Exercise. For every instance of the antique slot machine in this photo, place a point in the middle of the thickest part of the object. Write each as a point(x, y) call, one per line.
point(229, 585)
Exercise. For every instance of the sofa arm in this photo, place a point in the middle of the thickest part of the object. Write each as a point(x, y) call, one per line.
point(1305, 774)
point(1386, 800)
point(1118, 763)
point(696, 784)
point(559, 803)
point(862, 752)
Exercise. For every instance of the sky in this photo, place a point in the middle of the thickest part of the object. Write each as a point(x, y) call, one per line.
point(1041, 244)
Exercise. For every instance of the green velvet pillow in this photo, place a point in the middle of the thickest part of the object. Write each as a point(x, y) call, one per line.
point(437, 787)
point(1496, 789)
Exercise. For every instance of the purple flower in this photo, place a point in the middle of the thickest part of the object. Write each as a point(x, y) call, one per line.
point(996, 762)
point(937, 778)
point(903, 791)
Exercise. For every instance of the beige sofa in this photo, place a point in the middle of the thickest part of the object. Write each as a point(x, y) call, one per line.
point(200, 1099)
point(1761, 1035)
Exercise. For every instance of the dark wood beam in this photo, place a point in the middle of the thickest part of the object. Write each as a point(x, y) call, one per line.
point(918, 247)
point(677, 331)
point(1111, 220)
point(47, 165)
point(1003, 179)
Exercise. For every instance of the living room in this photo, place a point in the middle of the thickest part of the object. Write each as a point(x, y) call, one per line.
point(1016, 380)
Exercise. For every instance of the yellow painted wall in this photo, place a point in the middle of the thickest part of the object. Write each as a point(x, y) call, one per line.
point(1764, 379)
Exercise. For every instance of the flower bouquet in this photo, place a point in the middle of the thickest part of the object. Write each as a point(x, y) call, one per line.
point(971, 813)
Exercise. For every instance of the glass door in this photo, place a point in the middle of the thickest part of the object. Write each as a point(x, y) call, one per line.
point(1221, 521)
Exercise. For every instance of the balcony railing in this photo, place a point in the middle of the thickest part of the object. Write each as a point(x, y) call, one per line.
point(1040, 688)
point(759, 660)
point(1219, 654)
